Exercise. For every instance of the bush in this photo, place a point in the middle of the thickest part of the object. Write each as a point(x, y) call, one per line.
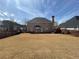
point(65, 31)
point(58, 30)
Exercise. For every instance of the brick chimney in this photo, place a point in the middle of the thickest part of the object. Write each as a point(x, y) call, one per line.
point(53, 17)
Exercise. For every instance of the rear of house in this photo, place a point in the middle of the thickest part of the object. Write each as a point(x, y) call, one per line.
point(40, 25)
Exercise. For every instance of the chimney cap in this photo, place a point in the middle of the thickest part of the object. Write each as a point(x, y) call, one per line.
point(53, 16)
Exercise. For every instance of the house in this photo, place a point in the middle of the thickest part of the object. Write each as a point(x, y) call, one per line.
point(72, 24)
point(40, 24)
point(8, 26)
point(2, 28)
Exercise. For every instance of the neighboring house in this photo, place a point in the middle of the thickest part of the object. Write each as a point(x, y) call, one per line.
point(72, 24)
point(2, 28)
point(9, 26)
point(40, 24)
point(23, 28)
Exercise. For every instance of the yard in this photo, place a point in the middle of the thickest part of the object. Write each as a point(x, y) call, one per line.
point(39, 46)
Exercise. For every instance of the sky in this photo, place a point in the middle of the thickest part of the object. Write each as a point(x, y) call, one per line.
point(24, 10)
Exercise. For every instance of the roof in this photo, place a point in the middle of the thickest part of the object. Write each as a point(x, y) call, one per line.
point(72, 23)
point(39, 19)
point(8, 23)
point(1, 23)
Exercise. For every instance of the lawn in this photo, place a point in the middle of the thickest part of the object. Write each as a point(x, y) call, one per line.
point(39, 46)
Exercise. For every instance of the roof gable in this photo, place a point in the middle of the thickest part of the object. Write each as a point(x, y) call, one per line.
point(39, 19)
point(72, 23)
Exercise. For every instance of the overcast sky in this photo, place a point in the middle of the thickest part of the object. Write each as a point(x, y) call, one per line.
point(24, 10)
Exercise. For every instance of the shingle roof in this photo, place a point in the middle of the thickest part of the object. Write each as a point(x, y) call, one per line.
point(1, 23)
point(72, 23)
point(38, 19)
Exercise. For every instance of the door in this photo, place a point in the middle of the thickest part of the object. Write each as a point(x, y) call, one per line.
point(38, 28)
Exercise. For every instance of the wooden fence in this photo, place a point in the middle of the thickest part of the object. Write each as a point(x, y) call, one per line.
point(4, 34)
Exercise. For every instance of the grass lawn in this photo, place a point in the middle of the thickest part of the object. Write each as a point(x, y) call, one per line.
point(39, 46)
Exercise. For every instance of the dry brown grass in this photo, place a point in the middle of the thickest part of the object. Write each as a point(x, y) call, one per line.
point(39, 46)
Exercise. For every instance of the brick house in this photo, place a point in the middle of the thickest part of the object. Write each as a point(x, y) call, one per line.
point(40, 24)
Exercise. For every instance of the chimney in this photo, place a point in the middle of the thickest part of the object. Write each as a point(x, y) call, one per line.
point(53, 20)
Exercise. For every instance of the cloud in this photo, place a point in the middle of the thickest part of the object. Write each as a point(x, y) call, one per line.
point(1, 14)
point(33, 12)
point(5, 13)
point(17, 2)
point(67, 17)
point(36, 8)
point(64, 9)
point(8, 2)
point(12, 15)
point(1, 19)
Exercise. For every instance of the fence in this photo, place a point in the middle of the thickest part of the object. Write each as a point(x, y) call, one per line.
point(72, 31)
point(4, 34)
